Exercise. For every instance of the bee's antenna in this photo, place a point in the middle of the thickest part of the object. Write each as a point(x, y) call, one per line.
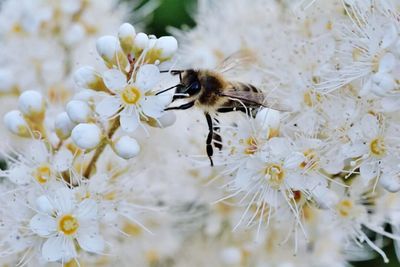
point(172, 71)
point(172, 87)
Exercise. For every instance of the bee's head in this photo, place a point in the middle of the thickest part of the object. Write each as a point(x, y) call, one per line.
point(189, 84)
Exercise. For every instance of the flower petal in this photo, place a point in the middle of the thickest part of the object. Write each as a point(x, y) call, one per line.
point(294, 160)
point(63, 200)
point(44, 205)
point(368, 171)
point(389, 37)
point(63, 160)
point(43, 225)
point(89, 239)
point(390, 182)
point(152, 107)
point(20, 175)
point(353, 150)
point(370, 126)
point(38, 152)
point(108, 106)
point(129, 122)
point(387, 63)
point(279, 146)
point(147, 77)
point(114, 79)
point(57, 248)
point(87, 210)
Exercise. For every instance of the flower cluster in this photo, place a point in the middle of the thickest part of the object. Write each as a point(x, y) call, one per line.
point(124, 95)
point(66, 184)
point(327, 166)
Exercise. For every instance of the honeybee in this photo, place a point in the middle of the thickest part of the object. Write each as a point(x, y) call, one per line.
point(210, 91)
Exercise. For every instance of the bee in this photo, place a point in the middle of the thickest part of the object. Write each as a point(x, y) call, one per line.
point(210, 91)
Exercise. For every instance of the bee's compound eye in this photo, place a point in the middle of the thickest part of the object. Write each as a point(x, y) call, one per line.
point(193, 88)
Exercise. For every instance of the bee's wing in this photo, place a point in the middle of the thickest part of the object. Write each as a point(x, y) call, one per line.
point(257, 99)
point(240, 59)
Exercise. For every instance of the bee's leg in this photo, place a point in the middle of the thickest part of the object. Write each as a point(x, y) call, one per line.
point(230, 109)
point(217, 135)
point(209, 147)
point(184, 106)
point(250, 111)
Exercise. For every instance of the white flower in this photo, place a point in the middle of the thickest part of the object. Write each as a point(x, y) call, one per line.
point(272, 178)
point(132, 100)
point(64, 220)
point(373, 145)
point(367, 52)
point(38, 165)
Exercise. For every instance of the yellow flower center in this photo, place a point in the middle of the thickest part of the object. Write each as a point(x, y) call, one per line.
point(345, 207)
point(378, 147)
point(251, 148)
point(130, 95)
point(42, 173)
point(274, 174)
point(311, 160)
point(68, 224)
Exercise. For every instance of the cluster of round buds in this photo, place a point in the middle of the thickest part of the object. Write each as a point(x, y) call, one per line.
point(123, 96)
point(130, 46)
point(29, 117)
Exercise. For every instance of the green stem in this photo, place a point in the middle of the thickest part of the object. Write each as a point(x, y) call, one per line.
point(114, 127)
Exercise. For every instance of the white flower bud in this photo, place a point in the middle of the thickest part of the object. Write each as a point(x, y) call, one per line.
point(168, 46)
point(31, 103)
point(7, 81)
point(86, 135)
point(141, 40)
point(152, 42)
point(126, 35)
point(126, 147)
point(87, 77)
point(63, 125)
point(78, 111)
point(231, 256)
point(107, 46)
point(109, 49)
point(16, 123)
